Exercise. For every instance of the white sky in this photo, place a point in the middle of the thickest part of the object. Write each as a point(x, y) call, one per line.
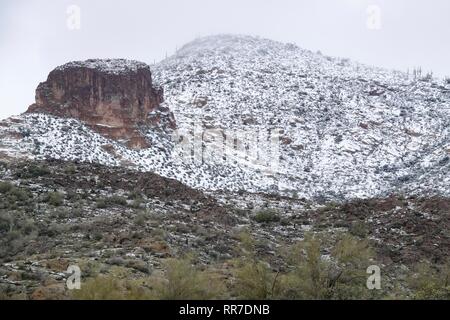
point(34, 37)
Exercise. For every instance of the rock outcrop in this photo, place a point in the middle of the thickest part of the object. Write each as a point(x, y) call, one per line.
point(114, 97)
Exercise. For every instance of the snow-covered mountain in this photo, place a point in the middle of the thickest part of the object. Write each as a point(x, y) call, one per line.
point(264, 116)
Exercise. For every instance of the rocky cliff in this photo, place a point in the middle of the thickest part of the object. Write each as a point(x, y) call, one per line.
point(114, 97)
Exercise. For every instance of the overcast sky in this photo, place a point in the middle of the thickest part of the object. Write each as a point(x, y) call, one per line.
point(38, 35)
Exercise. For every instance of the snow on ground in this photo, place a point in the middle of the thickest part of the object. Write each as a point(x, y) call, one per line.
point(111, 66)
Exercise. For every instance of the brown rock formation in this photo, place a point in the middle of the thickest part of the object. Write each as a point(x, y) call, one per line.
point(114, 97)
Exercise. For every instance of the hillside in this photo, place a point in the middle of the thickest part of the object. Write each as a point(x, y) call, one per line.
point(124, 225)
point(346, 130)
point(224, 171)
point(263, 116)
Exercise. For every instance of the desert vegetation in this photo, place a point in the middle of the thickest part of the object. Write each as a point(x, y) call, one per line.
point(307, 275)
point(139, 236)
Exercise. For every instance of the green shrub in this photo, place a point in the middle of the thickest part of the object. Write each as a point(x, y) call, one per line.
point(5, 187)
point(308, 280)
point(97, 236)
point(118, 200)
point(266, 216)
point(141, 219)
point(185, 282)
point(28, 226)
point(13, 197)
point(17, 231)
point(103, 203)
point(341, 276)
point(135, 195)
point(138, 265)
point(19, 194)
point(110, 288)
point(359, 229)
point(158, 234)
point(430, 283)
point(254, 281)
point(70, 169)
point(33, 171)
point(55, 199)
point(6, 222)
point(54, 230)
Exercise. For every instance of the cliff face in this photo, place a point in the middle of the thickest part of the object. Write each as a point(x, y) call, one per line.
point(114, 97)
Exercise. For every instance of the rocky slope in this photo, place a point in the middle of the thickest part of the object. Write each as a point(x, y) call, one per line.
point(122, 223)
point(346, 129)
point(263, 116)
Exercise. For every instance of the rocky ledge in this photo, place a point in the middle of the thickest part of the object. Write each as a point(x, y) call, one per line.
point(115, 97)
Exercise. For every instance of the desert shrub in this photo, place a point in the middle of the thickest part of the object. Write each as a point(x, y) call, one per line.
point(158, 234)
point(184, 282)
point(309, 276)
point(118, 200)
point(141, 219)
point(6, 222)
point(254, 279)
point(5, 186)
point(247, 245)
point(351, 258)
point(135, 195)
point(55, 199)
point(91, 269)
point(116, 261)
point(28, 226)
point(97, 236)
point(70, 169)
point(13, 197)
point(60, 213)
point(16, 222)
point(18, 194)
point(54, 229)
point(73, 196)
point(77, 212)
point(103, 203)
point(359, 229)
point(38, 171)
point(110, 288)
point(430, 282)
point(15, 234)
point(33, 171)
point(266, 216)
point(138, 265)
point(341, 275)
